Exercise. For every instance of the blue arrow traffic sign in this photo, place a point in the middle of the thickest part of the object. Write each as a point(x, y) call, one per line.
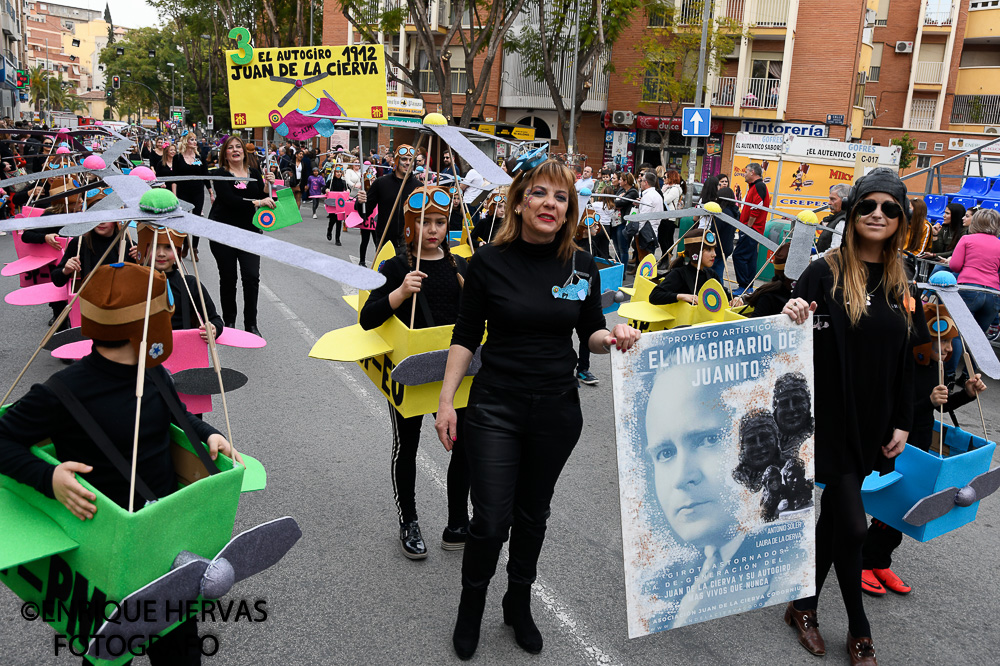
point(696, 122)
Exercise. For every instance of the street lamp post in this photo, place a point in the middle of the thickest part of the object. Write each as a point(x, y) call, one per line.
point(182, 99)
point(172, 69)
point(48, 78)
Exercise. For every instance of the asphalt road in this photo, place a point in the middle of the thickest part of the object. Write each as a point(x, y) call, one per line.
point(346, 595)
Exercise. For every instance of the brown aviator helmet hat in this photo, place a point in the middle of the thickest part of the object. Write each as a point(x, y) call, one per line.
point(939, 323)
point(113, 305)
point(430, 197)
point(146, 233)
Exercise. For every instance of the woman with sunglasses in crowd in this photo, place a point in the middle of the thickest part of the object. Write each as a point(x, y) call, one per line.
point(864, 405)
point(524, 416)
point(437, 287)
point(235, 204)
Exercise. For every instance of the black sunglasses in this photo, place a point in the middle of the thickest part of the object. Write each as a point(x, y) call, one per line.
point(890, 209)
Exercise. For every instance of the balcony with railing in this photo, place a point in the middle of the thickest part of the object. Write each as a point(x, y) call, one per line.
point(976, 110)
point(929, 73)
point(428, 82)
point(518, 90)
point(922, 114)
point(869, 107)
point(769, 13)
point(757, 93)
point(938, 13)
point(393, 88)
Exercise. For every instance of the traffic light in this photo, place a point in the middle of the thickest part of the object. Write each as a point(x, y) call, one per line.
point(116, 82)
point(108, 93)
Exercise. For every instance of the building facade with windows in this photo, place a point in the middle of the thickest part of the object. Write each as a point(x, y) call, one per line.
point(12, 23)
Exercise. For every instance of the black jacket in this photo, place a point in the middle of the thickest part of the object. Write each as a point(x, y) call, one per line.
point(231, 203)
point(826, 237)
point(184, 316)
point(107, 391)
point(89, 254)
point(383, 194)
point(680, 280)
point(377, 308)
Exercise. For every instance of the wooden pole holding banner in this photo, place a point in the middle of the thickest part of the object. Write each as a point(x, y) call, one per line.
point(58, 322)
point(465, 211)
point(140, 379)
point(420, 244)
point(937, 307)
point(214, 354)
point(399, 195)
point(972, 371)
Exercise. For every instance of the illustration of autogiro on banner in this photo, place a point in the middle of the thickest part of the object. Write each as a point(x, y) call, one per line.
point(283, 88)
point(715, 467)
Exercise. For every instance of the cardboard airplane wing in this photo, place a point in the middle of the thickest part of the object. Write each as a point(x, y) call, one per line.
point(29, 534)
point(351, 343)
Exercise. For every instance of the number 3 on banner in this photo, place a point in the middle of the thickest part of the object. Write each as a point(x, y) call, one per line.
point(242, 37)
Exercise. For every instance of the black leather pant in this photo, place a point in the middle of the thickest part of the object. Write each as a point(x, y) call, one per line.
point(227, 258)
point(517, 444)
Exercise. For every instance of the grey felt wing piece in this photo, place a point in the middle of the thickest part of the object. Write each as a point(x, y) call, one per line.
point(931, 507)
point(744, 229)
point(666, 214)
point(260, 547)
point(429, 367)
point(42, 175)
point(476, 158)
point(170, 589)
point(129, 188)
point(980, 348)
point(268, 246)
point(986, 483)
point(178, 179)
point(800, 251)
point(203, 381)
point(90, 217)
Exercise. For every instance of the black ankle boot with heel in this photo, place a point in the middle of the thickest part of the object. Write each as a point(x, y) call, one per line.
point(517, 614)
point(470, 619)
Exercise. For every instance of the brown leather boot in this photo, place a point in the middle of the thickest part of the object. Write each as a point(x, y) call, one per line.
point(861, 650)
point(805, 624)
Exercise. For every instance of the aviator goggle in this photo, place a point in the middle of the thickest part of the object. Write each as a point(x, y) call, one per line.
point(420, 200)
point(405, 151)
point(890, 209)
point(708, 238)
point(591, 220)
point(941, 325)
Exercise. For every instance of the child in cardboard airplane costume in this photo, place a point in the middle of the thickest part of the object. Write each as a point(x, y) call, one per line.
point(84, 409)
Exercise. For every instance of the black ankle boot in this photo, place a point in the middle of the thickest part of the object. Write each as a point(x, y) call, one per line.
point(517, 613)
point(470, 618)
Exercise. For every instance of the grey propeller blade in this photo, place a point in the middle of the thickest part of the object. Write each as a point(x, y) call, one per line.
point(773, 211)
point(800, 250)
point(260, 547)
point(975, 340)
point(157, 602)
point(203, 381)
point(986, 483)
point(288, 96)
point(429, 367)
point(931, 507)
point(666, 214)
point(752, 233)
point(478, 160)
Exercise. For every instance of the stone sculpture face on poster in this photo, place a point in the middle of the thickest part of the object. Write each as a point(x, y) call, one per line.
point(715, 458)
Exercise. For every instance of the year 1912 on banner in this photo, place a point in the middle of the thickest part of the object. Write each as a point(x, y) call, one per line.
point(715, 464)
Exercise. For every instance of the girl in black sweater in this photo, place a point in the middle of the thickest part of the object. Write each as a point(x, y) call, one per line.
point(684, 279)
point(83, 252)
point(864, 405)
point(336, 184)
point(235, 204)
point(524, 413)
point(438, 287)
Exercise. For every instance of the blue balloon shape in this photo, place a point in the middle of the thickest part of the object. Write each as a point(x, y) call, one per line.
point(943, 279)
point(585, 192)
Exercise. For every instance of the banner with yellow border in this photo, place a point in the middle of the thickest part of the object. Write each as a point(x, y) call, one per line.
point(283, 87)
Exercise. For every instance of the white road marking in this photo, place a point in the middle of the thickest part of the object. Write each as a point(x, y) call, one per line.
point(545, 594)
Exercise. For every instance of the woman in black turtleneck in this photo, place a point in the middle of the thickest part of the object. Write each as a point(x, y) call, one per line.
point(523, 416)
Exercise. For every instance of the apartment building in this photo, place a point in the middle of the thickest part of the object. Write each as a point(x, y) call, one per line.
point(49, 31)
point(864, 70)
point(403, 105)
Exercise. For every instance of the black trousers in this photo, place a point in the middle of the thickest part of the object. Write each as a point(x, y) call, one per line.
point(517, 444)
point(405, 440)
point(366, 235)
point(334, 223)
point(583, 357)
point(665, 235)
point(249, 267)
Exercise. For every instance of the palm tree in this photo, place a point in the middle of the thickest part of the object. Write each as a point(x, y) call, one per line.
point(40, 85)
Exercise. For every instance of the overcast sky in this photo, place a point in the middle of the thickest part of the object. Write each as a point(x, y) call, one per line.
point(126, 13)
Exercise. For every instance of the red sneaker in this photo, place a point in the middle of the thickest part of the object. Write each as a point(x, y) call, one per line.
point(891, 581)
point(870, 584)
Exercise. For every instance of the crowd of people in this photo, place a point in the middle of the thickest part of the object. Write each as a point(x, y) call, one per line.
point(523, 417)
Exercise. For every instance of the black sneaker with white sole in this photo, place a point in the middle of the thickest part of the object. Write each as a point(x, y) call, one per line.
point(411, 541)
point(454, 538)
